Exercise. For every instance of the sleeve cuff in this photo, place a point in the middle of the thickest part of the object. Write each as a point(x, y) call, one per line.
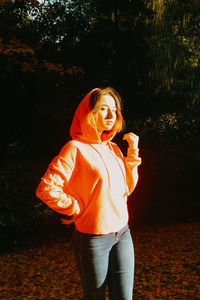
point(133, 151)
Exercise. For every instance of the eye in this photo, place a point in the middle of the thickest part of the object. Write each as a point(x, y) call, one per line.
point(103, 108)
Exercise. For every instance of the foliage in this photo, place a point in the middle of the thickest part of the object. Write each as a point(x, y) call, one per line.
point(148, 50)
point(52, 53)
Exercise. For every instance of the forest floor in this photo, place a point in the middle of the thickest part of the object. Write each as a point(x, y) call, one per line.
point(167, 266)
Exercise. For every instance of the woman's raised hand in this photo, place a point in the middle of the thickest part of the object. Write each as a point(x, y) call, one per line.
point(132, 140)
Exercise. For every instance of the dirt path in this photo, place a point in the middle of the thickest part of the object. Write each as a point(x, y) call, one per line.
point(167, 267)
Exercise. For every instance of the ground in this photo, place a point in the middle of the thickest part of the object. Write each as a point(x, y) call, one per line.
point(167, 266)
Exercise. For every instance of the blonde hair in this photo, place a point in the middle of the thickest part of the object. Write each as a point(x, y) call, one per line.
point(94, 98)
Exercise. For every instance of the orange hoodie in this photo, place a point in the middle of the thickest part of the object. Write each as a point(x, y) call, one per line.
point(90, 179)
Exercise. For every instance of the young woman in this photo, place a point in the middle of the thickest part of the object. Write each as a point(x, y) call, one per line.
point(90, 180)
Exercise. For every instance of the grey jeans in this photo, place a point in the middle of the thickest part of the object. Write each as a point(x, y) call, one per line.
point(105, 259)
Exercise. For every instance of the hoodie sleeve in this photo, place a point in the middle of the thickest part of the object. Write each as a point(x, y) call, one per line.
point(132, 161)
point(55, 180)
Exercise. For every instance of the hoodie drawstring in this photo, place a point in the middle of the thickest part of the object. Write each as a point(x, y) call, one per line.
point(112, 151)
point(104, 165)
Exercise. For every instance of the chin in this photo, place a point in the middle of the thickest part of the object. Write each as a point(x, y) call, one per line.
point(108, 128)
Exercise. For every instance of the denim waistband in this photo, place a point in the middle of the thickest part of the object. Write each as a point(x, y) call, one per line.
point(117, 233)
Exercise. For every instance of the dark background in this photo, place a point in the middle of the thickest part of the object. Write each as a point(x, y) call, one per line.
point(52, 54)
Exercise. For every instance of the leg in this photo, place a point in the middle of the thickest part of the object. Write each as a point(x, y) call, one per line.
point(121, 268)
point(92, 256)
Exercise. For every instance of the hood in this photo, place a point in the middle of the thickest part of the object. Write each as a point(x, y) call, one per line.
point(82, 129)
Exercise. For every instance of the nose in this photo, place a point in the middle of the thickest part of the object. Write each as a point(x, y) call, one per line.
point(110, 114)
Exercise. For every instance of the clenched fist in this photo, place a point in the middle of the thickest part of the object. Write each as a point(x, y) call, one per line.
point(132, 140)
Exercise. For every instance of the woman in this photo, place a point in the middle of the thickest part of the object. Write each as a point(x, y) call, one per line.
point(90, 180)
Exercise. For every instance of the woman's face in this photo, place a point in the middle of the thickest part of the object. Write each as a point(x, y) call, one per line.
point(105, 113)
